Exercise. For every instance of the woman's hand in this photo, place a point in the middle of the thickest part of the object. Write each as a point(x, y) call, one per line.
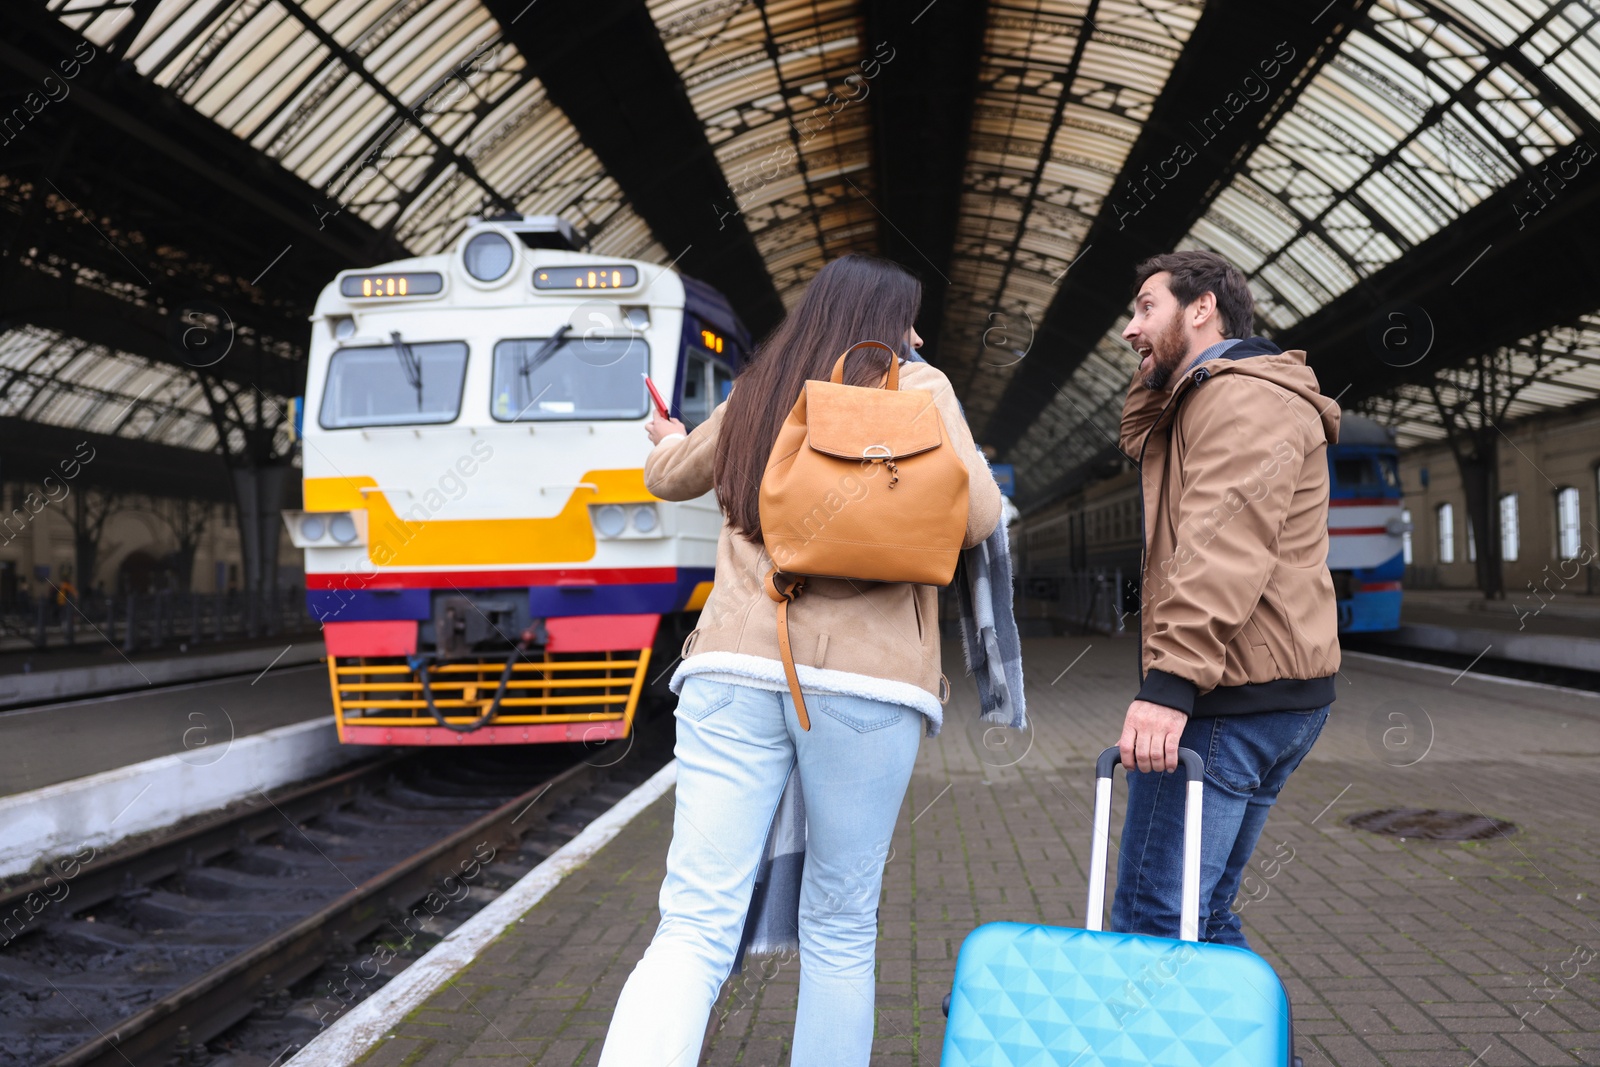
point(658, 428)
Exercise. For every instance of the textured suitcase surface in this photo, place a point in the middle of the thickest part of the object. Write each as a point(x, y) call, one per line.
point(1046, 996)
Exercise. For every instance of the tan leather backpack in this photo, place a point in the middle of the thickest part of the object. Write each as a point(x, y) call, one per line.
point(862, 483)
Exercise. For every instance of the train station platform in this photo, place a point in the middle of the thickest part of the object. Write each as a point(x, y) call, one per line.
point(181, 735)
point(163, 705)
point(1554, 630)
point(1394, 950)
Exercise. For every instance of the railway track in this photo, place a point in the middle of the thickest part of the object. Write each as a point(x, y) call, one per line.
point(235, 940)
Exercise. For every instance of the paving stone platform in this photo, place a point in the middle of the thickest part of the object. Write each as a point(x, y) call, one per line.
point(1394, 951)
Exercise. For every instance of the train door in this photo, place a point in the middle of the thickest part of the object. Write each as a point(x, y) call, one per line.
point(707, 375)
point(695, 393)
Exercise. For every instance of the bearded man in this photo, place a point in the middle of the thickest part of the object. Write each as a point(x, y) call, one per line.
point(1239, 640)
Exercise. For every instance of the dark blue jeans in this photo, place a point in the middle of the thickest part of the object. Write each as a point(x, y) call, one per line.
point(1248, 760)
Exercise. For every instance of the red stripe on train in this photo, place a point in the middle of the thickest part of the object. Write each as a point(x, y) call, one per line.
point(532, 733)
point(1364, 502)
point(492, 579)
point(1348, 530)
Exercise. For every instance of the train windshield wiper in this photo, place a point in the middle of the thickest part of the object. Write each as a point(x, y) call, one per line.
point(409, 363)
point(526, 365)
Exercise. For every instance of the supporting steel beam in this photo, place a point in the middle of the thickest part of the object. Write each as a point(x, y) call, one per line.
point(77, 311)
point(603, 63)
point(1140, 220)
point(919, 162)
point(34, 451)
point(1489, 279)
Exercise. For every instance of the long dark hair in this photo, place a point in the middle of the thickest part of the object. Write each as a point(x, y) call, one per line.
point(853, 298)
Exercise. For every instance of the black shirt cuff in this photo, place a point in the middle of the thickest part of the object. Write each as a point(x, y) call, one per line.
point(1168, 689)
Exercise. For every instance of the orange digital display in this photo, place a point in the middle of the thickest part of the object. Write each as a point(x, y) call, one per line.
point(711, 341)
point(585, 277)
point(419, 283)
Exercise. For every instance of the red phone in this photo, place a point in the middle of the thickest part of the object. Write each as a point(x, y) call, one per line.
point(655, 395)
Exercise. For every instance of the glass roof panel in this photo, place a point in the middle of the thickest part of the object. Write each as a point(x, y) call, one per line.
point(781, 89)
point(1042, 159)
point(1426, 110)
point(1565, 360)
point(412, 114)
point(57, 380)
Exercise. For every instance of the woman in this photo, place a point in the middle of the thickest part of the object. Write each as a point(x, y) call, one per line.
point(867, 655)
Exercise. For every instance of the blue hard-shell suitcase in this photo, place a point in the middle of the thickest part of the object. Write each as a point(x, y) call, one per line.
point(1047, 996)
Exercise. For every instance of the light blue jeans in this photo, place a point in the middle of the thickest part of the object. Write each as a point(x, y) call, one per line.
point(736, 745)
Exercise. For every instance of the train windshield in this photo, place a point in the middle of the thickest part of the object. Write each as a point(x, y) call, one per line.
point(1370, 473)
point(397, 384)
point(576, 378)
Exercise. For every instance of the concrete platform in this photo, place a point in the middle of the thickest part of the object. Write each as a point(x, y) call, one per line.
point(1551, 614)
point(1394, 951)
point(100, 667)
point(101, 810)
point(192, 720)
point(1552, 630)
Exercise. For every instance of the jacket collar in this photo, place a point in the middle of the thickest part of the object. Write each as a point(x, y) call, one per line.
point(1193, 375)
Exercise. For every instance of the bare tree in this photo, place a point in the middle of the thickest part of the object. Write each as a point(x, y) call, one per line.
point(188, 519)
point(1472, 401)
point(92, 507)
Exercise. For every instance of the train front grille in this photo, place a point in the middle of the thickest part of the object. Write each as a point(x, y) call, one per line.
point(544, 689)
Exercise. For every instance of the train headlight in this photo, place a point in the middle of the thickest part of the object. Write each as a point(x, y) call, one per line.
point(610, 520)
point(342, 528)
point(326, 529)
point(637, 318)
point(645, 519)
point(344, 327)
point(487, 257)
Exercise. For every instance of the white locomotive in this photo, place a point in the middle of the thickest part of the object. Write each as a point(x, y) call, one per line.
point(479, 543)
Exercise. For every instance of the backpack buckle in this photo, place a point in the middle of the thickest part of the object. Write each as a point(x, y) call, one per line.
point(783, 587)
point(883, 454)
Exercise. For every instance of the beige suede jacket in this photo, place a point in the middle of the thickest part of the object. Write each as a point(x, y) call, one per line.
point(874, 639)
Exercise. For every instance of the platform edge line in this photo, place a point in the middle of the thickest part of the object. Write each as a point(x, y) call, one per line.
point(1522, 682)
point(353, 1034)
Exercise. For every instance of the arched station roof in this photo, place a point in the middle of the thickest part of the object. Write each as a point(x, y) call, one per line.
point(1373, 155)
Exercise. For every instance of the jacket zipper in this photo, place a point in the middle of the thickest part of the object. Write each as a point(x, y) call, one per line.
point(1144, 541)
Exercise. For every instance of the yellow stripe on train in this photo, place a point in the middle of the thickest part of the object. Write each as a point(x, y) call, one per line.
point(395, 541)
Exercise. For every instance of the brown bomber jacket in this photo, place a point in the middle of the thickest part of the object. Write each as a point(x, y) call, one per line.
point(874, 639)
point(1237, 604)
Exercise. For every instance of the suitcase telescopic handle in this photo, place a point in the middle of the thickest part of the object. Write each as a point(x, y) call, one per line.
point(1194, 770)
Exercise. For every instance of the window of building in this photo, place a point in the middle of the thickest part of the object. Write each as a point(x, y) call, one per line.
point(1568, 541)
point(1472, 544)
point(1405, 538)
point(1508, 527)
point(1445, 521)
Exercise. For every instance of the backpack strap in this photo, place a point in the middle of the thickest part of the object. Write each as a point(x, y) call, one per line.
point(783, 588)
point(892, 382)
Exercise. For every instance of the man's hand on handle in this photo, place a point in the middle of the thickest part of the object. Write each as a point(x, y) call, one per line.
point(1150, 736)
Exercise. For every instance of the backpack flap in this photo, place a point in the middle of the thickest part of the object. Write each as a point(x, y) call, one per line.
point(849, 422)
